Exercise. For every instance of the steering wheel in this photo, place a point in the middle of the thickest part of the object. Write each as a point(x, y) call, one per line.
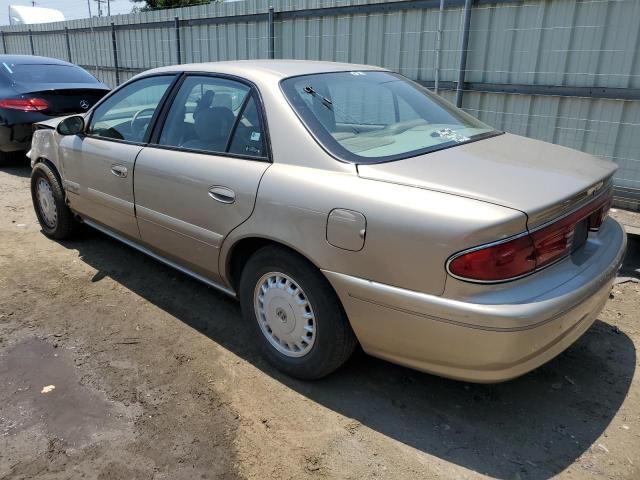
point(139, 125)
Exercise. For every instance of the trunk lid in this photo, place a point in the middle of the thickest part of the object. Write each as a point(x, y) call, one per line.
point(540, 179)
point(68, 100)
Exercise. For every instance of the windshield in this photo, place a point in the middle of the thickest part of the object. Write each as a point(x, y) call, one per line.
point(45, 73)
point(371, 116)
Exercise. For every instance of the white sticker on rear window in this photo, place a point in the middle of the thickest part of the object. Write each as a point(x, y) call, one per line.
point(255, 136)
point(449, 134)
point(7, 67)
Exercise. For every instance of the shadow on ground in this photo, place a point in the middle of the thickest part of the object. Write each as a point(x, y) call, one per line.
point(631, 266)
point(16, 165)
point(532, 427)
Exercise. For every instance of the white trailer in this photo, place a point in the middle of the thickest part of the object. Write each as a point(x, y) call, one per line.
point(23, 15)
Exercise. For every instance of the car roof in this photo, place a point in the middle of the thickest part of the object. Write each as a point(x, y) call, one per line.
point(31, 60)
point(275, 69)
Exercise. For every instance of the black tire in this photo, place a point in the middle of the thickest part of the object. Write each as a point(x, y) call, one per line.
point(334, 339)
point(65, 223)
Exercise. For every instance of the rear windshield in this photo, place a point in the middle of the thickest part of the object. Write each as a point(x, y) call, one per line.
point(371, 117)
point(47, 73)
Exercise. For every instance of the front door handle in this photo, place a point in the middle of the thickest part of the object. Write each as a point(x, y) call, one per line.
point(222, 194)
point(119, 171)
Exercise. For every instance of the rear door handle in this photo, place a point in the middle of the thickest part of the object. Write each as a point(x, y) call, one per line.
point(119, 171)
point(222, 194)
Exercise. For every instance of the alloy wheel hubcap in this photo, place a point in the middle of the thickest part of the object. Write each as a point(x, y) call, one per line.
point(47, 203)
point(284, 314)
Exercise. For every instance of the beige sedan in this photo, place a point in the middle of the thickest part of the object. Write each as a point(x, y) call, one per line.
point(343, 204)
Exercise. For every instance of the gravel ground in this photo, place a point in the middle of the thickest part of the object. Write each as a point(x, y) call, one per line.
point(113, 366)
point(630, 219)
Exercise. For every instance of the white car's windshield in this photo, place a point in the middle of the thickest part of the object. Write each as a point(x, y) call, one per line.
point(373, 116)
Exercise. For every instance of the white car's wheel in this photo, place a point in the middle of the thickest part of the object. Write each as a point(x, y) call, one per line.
point(46, 203)
point(299, 320)
point(54, 216)
point(284, 314)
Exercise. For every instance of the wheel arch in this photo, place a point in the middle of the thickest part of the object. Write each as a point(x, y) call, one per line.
point(241, 250)
point(54, 169)
point(49, 164)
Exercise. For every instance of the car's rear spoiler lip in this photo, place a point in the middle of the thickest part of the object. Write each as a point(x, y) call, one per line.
point(576, 201)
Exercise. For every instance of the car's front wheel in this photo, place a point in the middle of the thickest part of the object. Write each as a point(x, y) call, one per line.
point(54, 216)
point(295, 313)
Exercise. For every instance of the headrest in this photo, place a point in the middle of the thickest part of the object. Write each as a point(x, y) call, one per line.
point(222, 100)
point(205, 100)
point(213, 124)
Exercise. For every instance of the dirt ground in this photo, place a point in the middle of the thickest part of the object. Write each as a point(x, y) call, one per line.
point(155, 378)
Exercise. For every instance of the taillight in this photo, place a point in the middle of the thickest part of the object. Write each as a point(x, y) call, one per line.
point(598, 217)
point(25, 104)
point(554, 241)
point(496, 262)
point(520, 256)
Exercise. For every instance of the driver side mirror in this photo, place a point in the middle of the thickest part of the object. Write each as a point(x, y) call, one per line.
point(71, 125)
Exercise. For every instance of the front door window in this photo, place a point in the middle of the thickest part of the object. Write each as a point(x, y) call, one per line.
point(127, 114)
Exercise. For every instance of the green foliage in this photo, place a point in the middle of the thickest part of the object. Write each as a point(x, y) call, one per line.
point(160, 4)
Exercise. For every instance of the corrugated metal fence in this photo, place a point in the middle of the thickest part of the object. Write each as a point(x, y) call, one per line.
point(564, 71)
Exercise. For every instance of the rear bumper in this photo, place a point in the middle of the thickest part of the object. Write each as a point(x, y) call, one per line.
point(14, 138)
point(16, 129)
point(489, 338)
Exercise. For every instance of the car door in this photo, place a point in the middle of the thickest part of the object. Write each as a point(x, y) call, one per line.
point(199, 177)
point(98, 165)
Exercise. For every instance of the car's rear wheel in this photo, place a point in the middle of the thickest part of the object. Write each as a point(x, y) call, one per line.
point(298, 318)
point(54, 216)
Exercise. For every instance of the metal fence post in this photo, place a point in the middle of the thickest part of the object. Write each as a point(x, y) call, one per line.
point(463, 52)
point(93, 37)
point(33, 52)
point(438, 46)
point(68, 42)
point(4, 43)
point(114, 45)
point(177, 25)
point(272, 35)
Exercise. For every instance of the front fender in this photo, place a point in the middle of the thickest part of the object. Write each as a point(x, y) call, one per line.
point(44, 144)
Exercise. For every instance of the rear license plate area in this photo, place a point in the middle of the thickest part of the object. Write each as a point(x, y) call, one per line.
point(580, 234)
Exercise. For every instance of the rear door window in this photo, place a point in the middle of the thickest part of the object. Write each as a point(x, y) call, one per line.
point(215, 115)
point(204, 113)
point(248, 138)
